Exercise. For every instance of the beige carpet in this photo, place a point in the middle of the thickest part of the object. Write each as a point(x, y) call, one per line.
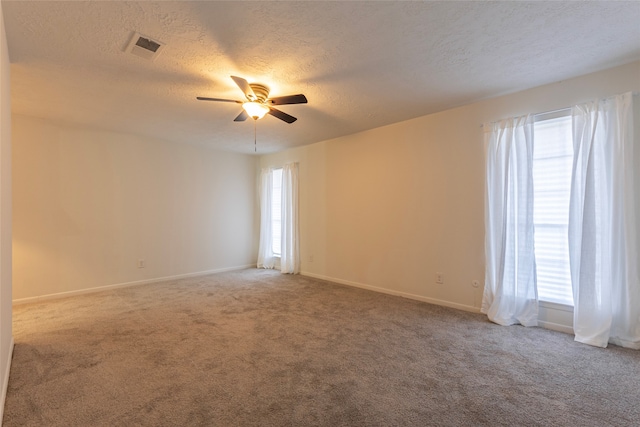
point(256, 348)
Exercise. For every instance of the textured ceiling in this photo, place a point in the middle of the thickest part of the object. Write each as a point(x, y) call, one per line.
point(360, 64)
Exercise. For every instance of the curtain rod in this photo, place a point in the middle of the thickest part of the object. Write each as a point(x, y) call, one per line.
point(559, 110)
point(544, 113)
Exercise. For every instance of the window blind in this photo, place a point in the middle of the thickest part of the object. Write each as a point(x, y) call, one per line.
point(552, 164)
point(276, 212)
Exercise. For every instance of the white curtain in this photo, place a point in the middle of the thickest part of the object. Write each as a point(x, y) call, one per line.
point(266, 259)
point(510, 294)
point(602, 233)
point(290, 257)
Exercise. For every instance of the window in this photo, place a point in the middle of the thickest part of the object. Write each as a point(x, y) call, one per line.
point(552, 165)
point(276, 212)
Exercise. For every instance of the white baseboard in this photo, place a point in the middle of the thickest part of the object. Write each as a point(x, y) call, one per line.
point(543, 324)
point(554, 316)
point(59, 295)
point(5, 383)
point(556, 327)
point(393, 292)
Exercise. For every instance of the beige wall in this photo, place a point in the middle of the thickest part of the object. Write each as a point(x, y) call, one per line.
point(390, 207)
point(88, 204)
point(6, 339)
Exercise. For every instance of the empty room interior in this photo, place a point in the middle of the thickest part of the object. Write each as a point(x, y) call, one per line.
point(348, 213)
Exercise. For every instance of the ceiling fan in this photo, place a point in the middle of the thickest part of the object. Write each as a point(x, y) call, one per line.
point(258, 102)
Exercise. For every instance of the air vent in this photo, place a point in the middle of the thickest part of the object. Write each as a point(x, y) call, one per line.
point(144, 47)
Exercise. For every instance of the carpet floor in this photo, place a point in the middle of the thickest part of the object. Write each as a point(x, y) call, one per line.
point(257, 348)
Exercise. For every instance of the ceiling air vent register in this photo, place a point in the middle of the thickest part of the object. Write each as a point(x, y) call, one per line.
point(144, 47)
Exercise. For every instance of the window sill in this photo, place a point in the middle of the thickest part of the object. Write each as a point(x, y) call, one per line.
point(556, 306)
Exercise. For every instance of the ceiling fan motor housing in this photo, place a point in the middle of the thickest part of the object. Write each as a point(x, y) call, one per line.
point(261, 91)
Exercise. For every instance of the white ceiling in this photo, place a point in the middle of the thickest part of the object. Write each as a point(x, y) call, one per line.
point(360, 64)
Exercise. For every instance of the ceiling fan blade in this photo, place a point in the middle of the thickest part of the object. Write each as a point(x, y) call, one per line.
point(244, 87)
point(202, 98)
point(289, 99)
point(282, 115)
point(241, 117)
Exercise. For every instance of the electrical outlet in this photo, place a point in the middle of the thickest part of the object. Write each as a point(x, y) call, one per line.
point(440, 278)
point(310, 258)
point(475, 283)
point(140, 263)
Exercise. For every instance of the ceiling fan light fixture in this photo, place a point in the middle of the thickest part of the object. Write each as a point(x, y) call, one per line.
point(255, 110)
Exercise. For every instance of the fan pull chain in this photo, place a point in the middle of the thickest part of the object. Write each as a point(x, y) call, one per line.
point(255, 143)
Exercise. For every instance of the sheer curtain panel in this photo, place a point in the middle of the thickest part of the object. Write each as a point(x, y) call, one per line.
point(290, 257)
point(510, 294)
point(602, 225)
point(266, 259)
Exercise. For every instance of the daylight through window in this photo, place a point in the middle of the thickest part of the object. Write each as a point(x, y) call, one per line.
point(552, 163)
point(276, 212)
